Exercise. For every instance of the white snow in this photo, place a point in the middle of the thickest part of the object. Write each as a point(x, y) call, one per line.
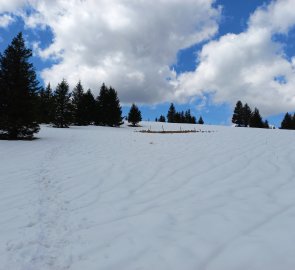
point(89, 198)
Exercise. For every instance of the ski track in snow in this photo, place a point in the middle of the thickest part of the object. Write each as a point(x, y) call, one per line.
point(102, 198)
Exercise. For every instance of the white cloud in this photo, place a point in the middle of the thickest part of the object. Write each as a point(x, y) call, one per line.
point(129, 44)
point(6, 20)
point(11, 5)
point(245, 66)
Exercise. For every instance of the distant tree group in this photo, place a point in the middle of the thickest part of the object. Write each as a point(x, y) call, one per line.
point(243, 116)
point(288, 122)
point(23, 104)
point(179, 117)
point(134, 116)
point(18, 92)
point(108, 109)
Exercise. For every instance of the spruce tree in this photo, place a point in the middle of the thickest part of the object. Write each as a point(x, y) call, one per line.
point(246, 115)
point(238, 114)
point(18, 92)
point(256, 119)
point(113, 110)
point(46, 105)
point(108, 110)
point(101, 105)
point(78, 110)
point(63, 107)
point(171, 114)
point(134, 116)
point(201, 121)
point(88, 108)
point(162, 119)
point(287, 122)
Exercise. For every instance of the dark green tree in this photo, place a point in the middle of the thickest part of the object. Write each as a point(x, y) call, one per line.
point(238, 114)
point(247, 112)
point(201, 121)
point(88, 108)
point(171, 114)
point(256, 119)
point(109, 111)
point(78, 109)
point(287, 122)
point(101, 105)
point(162, 119)
point(113, 110)
point(62, 104)
point(134, 115)
point(46, 105)
point(18, 92)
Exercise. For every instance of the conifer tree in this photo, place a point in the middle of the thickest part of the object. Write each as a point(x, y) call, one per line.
point(101, 105)
point(247, 112)
point(238, 114)
point(162, 119)
point(256, 119)
point(88, 108)
point(78, 109)
point(46, 105)
point(134, 116)
point(171, 114)
point(63, 107)
point(18, 92)
point(287, 122)
point(108, 110)
point(201, 121)
point(113, 110)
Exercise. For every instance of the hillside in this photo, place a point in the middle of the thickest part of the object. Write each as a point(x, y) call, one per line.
point(110, 198)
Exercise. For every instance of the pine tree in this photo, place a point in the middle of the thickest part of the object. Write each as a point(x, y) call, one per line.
point(246, 115)
point(287, 122)
point(134, 115)
point(18, 92)
point(113, 110)
point(108, 110)
point(78, 110)
point(88, 108)
point(63, 107)
point(171, 114)
point(101, 105)
point(162, 119)
point(201, 121)
point(238, 114)
point(256, 119)
point(46, 105)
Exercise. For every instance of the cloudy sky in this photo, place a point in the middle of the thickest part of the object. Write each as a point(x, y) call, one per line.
point(201, 54)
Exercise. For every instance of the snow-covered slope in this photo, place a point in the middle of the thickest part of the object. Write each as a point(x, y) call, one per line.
point(102, 198)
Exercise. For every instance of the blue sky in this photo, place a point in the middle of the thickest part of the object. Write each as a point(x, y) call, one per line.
point(215, 105)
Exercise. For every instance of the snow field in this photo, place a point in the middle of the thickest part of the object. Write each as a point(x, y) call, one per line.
point(106, 198)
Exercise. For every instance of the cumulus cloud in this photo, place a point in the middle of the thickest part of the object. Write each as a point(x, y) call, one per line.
point(11, 5)
point(5, 20)
point(250, 66)
point(129, 44)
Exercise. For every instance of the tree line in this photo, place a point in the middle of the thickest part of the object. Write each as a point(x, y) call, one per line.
point(179, 117)
point(288, 122)
point(63, 108)
point(243, 116)
point(24, 104)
